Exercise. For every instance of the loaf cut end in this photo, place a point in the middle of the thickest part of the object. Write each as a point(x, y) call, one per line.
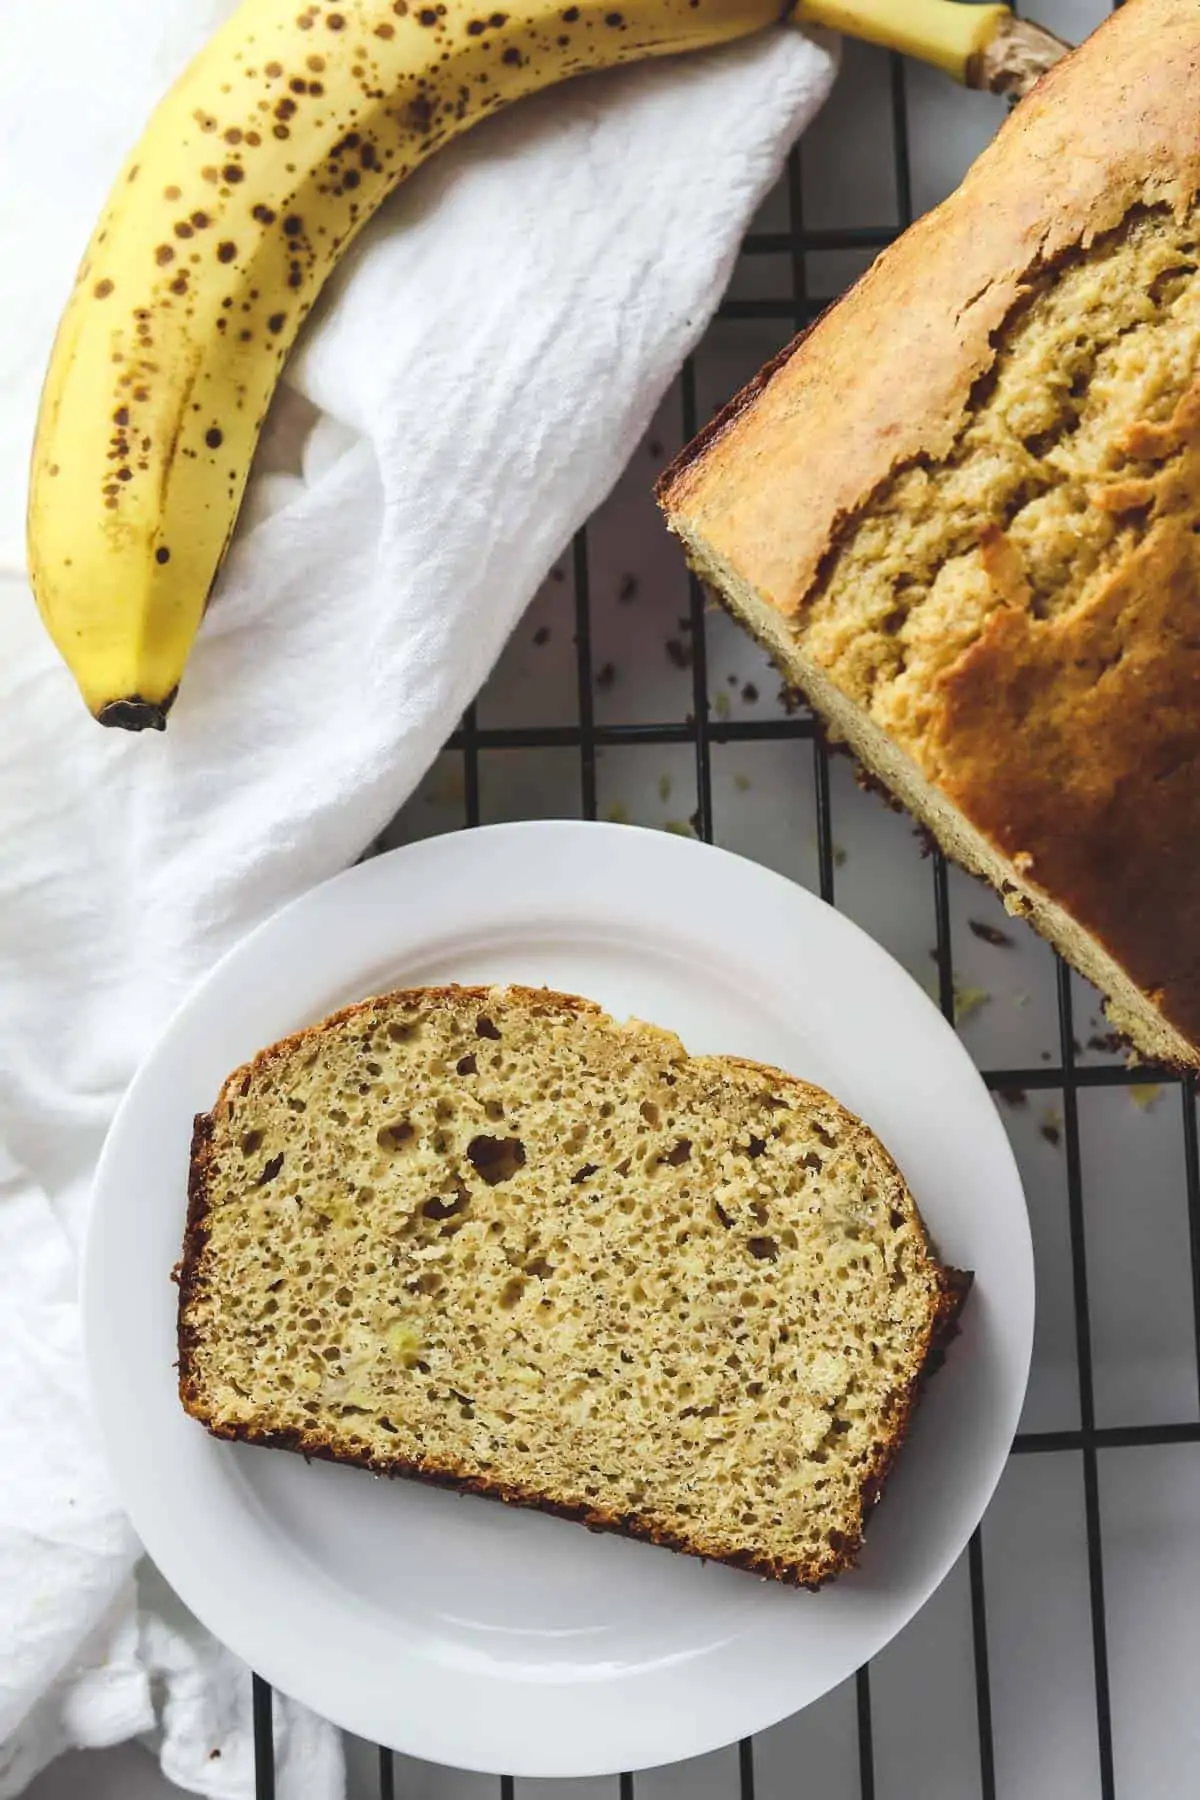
point(494, 1240)
point(1006, 633)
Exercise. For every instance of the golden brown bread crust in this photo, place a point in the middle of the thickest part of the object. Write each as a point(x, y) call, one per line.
point(943, 1327)
point(1072, 744)
point(1101, 777)
point(886, 374)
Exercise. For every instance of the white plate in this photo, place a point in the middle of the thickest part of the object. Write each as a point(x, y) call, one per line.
point(456, 1629)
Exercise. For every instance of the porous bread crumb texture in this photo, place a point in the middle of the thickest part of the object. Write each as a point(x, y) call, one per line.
point(494, 1238)
point(1063, 462)
point(1052, 481)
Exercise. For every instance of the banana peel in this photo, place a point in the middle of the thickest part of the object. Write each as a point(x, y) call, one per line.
point(252, 178)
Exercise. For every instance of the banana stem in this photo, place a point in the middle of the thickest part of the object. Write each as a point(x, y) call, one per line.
point(1018, 55)
point(981, 46)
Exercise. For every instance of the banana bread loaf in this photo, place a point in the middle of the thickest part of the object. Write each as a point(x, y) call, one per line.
point(963, 513)
point(495, 1240)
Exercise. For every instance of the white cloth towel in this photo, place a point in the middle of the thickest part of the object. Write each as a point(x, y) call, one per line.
point(485, 366)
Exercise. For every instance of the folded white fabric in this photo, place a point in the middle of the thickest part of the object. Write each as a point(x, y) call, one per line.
point(489, 360)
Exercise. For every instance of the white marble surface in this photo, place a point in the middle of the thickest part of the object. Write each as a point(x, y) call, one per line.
point(1138, 1263)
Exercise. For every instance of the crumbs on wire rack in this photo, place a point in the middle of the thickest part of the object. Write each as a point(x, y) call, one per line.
point(967, 1002)
point(991, 934)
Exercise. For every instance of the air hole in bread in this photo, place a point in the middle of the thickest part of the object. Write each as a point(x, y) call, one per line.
point(496, 1159)
point(395, 1135)
point(447, 1209)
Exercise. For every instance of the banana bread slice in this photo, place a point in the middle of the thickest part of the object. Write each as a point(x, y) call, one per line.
point(963, 512)
point(495, 1240)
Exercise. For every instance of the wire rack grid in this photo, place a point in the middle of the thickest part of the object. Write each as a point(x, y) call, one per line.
point(774, 293)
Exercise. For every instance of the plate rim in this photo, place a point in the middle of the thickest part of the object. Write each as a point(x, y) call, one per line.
point(688, 1740)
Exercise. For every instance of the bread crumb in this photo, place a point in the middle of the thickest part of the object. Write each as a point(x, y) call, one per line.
point(967, 1002)
point(991, 934)
point(1145, 1093)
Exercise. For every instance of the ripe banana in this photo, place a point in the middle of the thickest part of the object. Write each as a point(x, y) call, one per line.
point(252, 177)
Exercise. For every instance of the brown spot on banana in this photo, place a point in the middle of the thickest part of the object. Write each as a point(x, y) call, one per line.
point(281, 209)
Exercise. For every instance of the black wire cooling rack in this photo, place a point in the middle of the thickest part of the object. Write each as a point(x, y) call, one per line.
point(702, 728)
